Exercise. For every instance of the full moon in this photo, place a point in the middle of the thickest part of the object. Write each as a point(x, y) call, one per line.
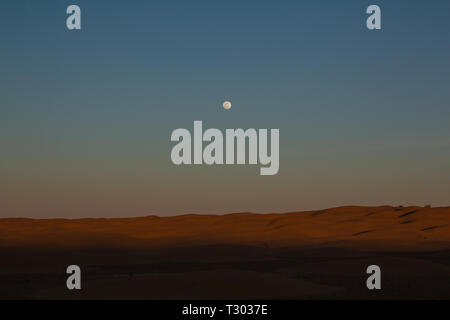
point(227, 105)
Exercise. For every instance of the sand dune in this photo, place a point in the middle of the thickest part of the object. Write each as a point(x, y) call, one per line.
point(297, 255)
point(384, 227)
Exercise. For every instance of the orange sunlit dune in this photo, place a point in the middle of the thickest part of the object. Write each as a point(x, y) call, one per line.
point(295, 255)
point(384, 227)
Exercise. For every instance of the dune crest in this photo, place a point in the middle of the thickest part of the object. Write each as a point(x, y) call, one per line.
point(384, 227)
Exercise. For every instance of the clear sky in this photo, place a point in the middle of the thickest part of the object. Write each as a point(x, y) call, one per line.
point(86, 116)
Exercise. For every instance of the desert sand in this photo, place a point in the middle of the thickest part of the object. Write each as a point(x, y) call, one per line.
point(387, 228)
point(296, 255)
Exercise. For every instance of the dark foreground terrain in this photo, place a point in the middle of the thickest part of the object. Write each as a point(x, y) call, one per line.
point(308, 255)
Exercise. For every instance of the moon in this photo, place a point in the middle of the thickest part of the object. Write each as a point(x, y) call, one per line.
point(227, 105)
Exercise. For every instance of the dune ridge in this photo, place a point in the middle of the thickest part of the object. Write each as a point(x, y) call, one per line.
point(376, 228)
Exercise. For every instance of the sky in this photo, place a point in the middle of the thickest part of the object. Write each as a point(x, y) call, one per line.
point(86, 115)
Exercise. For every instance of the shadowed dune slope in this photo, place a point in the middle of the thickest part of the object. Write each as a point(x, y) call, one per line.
point(375, 228)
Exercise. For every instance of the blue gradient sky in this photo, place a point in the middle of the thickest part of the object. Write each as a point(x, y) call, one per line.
point(86, 116)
